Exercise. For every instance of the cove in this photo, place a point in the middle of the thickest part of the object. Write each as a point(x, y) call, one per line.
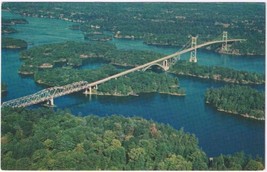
point(217, 132)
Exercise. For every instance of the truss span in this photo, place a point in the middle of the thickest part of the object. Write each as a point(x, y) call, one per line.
point(46, 94)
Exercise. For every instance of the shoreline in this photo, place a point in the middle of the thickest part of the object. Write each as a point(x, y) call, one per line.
point(236, 113)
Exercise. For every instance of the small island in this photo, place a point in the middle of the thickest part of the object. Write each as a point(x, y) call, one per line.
point(12, 43)
point(8, 22)
point(235, 99)
point(8, 30)
point(103, 143)
point(217, 73)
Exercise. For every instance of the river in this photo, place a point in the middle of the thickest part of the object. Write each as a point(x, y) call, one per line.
point(217, 132)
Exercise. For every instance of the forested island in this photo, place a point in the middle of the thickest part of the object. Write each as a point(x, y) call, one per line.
point(141, 82)
point(12, 43)
point(43, 139)
point(168, 24)
point(76, 54)
point(236, 99)
point(217, 73)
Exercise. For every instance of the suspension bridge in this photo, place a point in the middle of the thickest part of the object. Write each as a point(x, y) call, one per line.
point(48, 95)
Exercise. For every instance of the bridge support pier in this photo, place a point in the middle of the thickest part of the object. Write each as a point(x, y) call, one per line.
point(193, 55)
point(88, 91)
point(165, 65)
point(50, 102)
point(178, 57)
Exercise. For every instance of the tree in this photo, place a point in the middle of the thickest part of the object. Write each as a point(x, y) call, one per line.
point(175, 162)
point(254, 165)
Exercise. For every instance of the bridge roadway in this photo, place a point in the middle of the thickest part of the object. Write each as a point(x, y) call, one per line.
point(53, 92)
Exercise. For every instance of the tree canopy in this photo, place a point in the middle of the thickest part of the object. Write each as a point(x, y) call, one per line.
point(43, 139)
point(161, 23)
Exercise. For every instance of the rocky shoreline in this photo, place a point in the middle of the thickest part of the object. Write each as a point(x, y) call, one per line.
point(236, 113)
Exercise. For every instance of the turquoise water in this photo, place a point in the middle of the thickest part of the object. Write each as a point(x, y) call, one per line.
point(217, 132)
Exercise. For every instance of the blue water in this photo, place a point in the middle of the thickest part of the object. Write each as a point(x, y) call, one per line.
point(217, 132)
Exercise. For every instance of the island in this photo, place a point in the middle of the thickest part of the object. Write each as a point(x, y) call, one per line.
point(8, 23)
point(141, 82)
point(217, 73)
point(103, 143)
point(76, 54)
point(160, 23)
point(8, 30)
point(236, 99)
point(12, 43)
point(72, 54)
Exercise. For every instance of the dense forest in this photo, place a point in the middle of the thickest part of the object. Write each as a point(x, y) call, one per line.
point(63, 76)
point(142, 82)
point(238, 99)
point(43, 139)
point(217, 73)
point(161, 23)
point(12, 43)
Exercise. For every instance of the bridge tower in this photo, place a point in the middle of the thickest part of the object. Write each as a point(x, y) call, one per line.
point(193, 55)
point(165, 65)
point(224, 38)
